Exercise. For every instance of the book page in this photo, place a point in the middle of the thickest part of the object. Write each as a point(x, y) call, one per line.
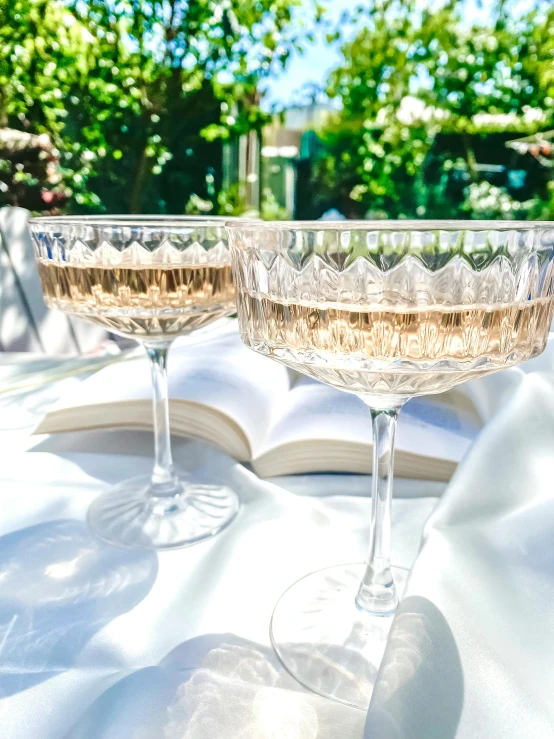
point(436, 426)
point(221, 374)
point(441, 426)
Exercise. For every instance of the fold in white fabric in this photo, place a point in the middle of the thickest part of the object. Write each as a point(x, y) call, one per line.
point(471, 650)
point(98, 642)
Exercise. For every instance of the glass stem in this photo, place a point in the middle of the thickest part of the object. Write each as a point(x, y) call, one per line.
point(164, 481)
point(377, 592)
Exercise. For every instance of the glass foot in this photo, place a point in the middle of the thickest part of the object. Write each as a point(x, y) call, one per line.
point(130, 516)
point(325, 640)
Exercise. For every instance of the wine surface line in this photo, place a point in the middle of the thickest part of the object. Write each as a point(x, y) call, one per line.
point(401, 350)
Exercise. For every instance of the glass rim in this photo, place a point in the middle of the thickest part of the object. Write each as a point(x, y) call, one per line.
point(129, 220)
point(390, 225)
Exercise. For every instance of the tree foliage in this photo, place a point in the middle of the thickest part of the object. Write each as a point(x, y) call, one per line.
point(413, 71)
point(125, 87)
point(44, 53)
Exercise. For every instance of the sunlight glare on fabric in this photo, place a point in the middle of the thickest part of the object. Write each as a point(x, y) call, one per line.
point(283, 714)
point(63, 570)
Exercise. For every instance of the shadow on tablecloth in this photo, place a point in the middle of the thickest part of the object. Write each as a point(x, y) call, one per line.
point(59, 585)
point(217, 686)
point(419, 691)
point(221, 686)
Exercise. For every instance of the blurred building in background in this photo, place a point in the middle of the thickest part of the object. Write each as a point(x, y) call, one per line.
point(290, 142)
point(270, 164)
point(241, 169)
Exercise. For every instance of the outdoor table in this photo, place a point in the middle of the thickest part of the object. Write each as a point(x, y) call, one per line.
point(101, 642)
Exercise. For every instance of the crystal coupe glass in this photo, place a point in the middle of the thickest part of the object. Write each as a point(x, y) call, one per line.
point(386, 310)
point(150, 279)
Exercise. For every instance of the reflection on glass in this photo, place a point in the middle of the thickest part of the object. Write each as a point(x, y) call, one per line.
point(150, 279)
point(388, 311)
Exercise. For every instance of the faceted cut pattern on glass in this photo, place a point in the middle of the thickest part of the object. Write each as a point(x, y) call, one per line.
point(394, 313)
point(138, 281)
point(131, 246)
point(351, 275)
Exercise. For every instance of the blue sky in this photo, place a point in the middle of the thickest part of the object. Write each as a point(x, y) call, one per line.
point(314, 65)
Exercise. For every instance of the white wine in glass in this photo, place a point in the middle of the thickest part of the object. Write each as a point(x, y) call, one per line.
point(387, 310)
point(142, 300)
point(150, 279)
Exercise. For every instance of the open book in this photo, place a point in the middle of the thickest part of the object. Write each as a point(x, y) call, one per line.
point(259, 412)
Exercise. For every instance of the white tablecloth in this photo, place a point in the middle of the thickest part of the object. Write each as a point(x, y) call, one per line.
point(98, 642)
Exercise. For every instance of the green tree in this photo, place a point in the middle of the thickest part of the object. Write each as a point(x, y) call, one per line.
point(44, 53)
point(414, 71)
point(137, 82)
